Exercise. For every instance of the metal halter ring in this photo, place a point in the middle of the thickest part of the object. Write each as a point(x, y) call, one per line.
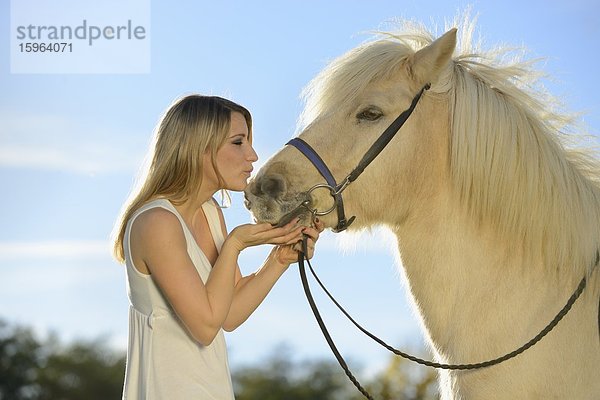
point(314, 211)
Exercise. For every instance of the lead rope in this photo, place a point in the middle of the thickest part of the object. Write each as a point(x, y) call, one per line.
point(340, 359)
point(315, 310)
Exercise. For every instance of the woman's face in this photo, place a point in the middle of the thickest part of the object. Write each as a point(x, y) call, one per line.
point(234, 159)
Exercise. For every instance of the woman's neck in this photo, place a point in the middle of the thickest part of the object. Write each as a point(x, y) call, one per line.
point(190, 206)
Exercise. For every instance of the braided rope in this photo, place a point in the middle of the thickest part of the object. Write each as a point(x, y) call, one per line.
point(321, 323)
point(301, 257)
point(483, 364)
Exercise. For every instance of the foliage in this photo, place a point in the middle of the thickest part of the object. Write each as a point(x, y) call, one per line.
point(31, 369)
point(281, 378)
point(35, 369)
point(402, 380)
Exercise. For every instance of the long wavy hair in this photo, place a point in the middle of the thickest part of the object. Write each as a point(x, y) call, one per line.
point(192, 126)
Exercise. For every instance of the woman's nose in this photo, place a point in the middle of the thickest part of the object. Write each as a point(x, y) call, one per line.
point(252, 156)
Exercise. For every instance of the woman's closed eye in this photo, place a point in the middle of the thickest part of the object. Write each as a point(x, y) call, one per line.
point(238, 140)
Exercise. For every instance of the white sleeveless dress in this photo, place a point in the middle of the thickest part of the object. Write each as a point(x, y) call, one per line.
point(163, 360)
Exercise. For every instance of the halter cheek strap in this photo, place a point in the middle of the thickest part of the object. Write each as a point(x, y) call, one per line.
point(373, 151)
point(320, 165)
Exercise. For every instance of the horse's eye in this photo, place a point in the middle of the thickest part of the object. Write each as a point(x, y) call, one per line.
point(369, 114)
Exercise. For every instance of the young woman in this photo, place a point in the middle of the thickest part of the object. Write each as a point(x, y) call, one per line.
point(184, 283)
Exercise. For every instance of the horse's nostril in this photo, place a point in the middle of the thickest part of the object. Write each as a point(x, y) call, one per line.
point(273, 185)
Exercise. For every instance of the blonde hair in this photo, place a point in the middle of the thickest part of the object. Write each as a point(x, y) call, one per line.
point(191, 126)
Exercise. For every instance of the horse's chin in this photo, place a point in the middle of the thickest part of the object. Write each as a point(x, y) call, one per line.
point(303, 218)
point(298, 212)
point(278, 213)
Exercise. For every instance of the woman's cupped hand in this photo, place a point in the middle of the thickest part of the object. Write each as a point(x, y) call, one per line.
point(287, 239)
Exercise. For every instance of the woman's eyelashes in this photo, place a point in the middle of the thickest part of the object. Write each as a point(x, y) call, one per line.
point(238, 140)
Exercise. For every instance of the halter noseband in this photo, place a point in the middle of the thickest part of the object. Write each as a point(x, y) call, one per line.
point(336, 189)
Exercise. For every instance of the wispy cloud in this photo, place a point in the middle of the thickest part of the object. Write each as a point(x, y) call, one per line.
point(58, 142)
point(347, 243)
point(63, 249)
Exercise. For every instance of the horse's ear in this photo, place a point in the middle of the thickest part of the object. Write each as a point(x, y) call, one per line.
point(427, 63)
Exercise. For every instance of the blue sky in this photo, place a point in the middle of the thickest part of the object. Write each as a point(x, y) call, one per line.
point(71, 144)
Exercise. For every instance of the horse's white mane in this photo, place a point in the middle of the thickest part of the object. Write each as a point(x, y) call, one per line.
point(513, 160)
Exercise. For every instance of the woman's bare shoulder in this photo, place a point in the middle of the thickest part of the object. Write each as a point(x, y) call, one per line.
point(157, 223)
point(157, 216)
point(157, 240)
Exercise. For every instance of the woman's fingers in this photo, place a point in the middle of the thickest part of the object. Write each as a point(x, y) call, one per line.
point(288, 235)
point(266, 233)
point(312, 233)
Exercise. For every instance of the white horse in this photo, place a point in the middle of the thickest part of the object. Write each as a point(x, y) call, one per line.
point(497, 219)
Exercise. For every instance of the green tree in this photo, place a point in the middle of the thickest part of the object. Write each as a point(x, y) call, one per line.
point(19, 352)
point(403, 380)
point(281, 378)
point(82, 370)
point(33, 369)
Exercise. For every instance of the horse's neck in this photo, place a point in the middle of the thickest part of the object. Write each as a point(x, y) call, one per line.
point(468, 287)
point(479, 300)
